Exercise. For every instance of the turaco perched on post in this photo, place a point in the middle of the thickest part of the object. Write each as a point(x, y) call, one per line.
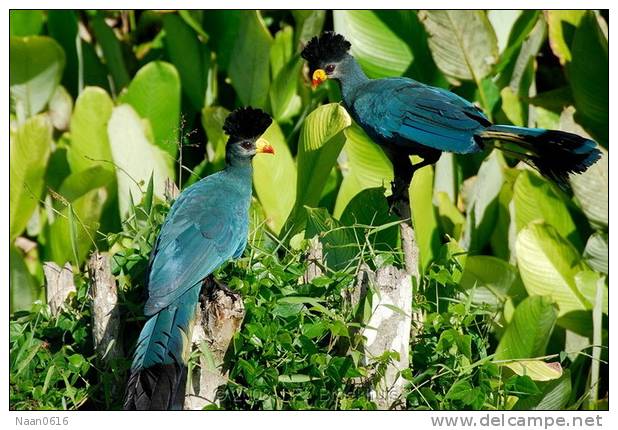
point(406, 117)
point(206, 226)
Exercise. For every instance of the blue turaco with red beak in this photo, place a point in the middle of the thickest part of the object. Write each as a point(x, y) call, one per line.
point(206, 226)
point(406, 117)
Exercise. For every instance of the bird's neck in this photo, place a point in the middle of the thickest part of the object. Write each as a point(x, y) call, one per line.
point(352, 78)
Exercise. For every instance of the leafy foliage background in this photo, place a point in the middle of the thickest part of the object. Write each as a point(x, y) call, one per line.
point(106, 105)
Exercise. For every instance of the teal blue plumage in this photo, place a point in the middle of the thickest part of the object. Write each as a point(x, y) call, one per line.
point(206, 226)
point(407, 117)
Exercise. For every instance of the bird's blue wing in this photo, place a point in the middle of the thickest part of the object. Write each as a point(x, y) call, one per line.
point(202, 231)
point(407, 112)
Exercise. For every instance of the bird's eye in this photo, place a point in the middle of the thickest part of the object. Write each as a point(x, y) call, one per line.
point(246, 145)
point(330, 68)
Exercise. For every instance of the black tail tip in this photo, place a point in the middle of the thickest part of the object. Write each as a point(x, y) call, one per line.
point(159, 387)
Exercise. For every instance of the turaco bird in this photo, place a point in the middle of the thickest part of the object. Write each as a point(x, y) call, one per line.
point(406, 117)
point(206, 226)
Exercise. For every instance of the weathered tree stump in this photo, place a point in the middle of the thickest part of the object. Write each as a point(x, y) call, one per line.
point(218, 319)
point(388, 329)
point(58, 283)
point(105, 312)
point(315, 258)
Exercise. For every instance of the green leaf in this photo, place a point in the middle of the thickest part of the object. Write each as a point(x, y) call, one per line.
point(365, 166)
point(284, 100)
point(35, 71)
point(554, 395)
point(379, 51)
point(548, 264)
point(321, 140)
point(502, 22)
point(536, 199)
point(491, 280)
point(281, 49)
point(63, 27)
point(295, 378)
point(596, 252)
point(80, 182)
point(89, 141)
point(274, 179)
point(30, 147)
point(536, 370)
point(187, 53)
point(112, 51)
point(60, 108)
point(369, 208)
point(192, 17)
point(451, 219)
point(22, 285)
point(562, 25)
point(521, 385)
point(308, 24)
point(424, 218)
point(528, 333)
point(74, 230)
point(591, 189)
point(463, 43)
point(129, 142)
point(339, 246)
point(248, 69)
point(590, 85)
point(154, 93)
point(482, 203)
point(26, 22)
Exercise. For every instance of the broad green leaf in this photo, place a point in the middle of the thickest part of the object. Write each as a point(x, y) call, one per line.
point(554, 395)
point(80, 182)
point(482, 203)
point(26, 22)
point(74, 231)
point(321, 140)
point(112, 51)
point(424, 219)
point(187, 53)
point(380, 52)
point(462, 42)
point(274, 179)
point(154, 93)
point(129, 143)
point(339, 246)
point(562, 25)
point(588, 282)
point(89, 141)
point(30, 146)
point(451, 219)
point(491, 280)
point(364, 166)
point(528, 333)
point(309, 23)
point(590, 85)
point(62, 25)
point(284, 100)
point(536, 199)
point(596, 252)
point(248, 70)
point(22, 285)
point(502, 22)
point(537, 370)
point(193, 18)
point(281, 50)
point(223, 27)
point(591, 189)
point(369, 208)
point(213, 118)
point(60, 108)
point(295, 378)
point(548, 264)
point(35, 71)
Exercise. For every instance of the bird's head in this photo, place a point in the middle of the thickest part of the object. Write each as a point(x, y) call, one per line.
point(327, 57)
point(245, 127)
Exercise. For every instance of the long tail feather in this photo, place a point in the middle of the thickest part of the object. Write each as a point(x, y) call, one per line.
point(159, 371)
point(555, 154)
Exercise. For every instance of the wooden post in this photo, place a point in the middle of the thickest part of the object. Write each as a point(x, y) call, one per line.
point(105, 313)
point(59, 284)
point(218, 319)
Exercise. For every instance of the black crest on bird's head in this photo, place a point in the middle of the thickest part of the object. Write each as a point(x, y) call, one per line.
point(246, 123)
point(330, 47)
